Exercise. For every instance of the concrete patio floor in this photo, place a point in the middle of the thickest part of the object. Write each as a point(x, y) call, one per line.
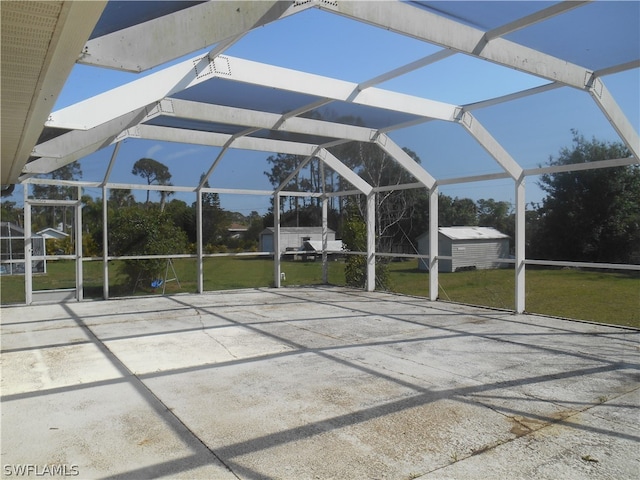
point(314, 383)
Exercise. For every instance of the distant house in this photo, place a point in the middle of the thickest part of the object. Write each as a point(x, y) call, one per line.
point(470, 248)
point(293, 238)
point(54, 233)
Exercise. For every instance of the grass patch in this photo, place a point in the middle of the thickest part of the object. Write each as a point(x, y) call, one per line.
point(606, 297)
point(586, 295)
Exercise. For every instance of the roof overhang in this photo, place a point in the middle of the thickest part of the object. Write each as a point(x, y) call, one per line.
point(41, 42)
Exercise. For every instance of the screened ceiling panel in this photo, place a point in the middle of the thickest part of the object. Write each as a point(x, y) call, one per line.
point(198, 125)
point(597, 35)
point(119, 15)
point(297, 76)
point(357, 50)
point(292, 137)
point(484, 15)
point(359, 115)
point(219, 91)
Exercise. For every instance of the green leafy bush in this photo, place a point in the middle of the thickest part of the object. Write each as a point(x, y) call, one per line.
point(144, 231)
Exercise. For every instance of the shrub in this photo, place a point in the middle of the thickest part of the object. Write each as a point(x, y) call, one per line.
point(142, 231)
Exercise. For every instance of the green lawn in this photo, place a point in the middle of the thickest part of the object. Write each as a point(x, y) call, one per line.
point(597, 296)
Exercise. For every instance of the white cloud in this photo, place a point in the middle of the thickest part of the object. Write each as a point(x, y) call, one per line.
point(182, 153)
point(153, 150)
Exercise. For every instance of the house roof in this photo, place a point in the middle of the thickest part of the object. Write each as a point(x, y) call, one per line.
point(50, 232)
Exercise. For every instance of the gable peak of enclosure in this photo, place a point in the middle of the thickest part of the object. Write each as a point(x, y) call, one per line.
point(245, 76)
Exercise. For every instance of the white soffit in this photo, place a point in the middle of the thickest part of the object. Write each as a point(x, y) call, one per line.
point(40, 42)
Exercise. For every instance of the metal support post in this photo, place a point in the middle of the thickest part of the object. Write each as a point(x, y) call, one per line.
point(105, 245)
point(371, 242)
point(433, 244)
point(276, 240)
point(520, 244)
point(325, 235)
point(28, 273)
point(200, 268)
point(78, 239)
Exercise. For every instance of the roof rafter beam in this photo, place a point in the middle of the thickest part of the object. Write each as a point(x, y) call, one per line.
point(410, 67)
point(266, 120)
point(623, 67)
point(72, 146)
point(149, 44)
point(179, 135)
point(295, 172)
point(78, 139)
point(153, 88)
point(345, 172)
point(491, 145)
point(615, 115)
point(408, 163)
point(512, 96)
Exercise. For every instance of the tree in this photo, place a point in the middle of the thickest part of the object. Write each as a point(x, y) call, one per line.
point(121, 197)
point(138, 231)
point(154, 172)
point(215, 220)
point(395, 209)
point(355, 239)
point(591, 215)
point(9, 212)
point(493, 213)
point(456, 211)
point(283, 165)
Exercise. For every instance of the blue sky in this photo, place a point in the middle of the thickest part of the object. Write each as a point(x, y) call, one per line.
point(530, 129)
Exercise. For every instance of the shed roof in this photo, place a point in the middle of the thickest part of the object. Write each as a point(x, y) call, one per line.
point(332, 245)
point(471, 233)
point(297, 230)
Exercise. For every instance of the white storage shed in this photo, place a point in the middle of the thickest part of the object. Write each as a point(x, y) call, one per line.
point(469, 248)
point(292, 238)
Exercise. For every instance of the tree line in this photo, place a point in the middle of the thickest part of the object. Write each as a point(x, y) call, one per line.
point(584, 216)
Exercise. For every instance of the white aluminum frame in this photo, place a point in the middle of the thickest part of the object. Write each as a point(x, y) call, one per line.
point(120, 113)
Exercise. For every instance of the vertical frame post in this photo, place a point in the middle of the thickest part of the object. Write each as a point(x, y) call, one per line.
point(276, 239)
point(200, 259)
point(371, 242)
point(28, 273)
point(433, 243)
point(325, 235)
point(105, 245)
point(78, 239)
point(520, 245)
point(325, 228)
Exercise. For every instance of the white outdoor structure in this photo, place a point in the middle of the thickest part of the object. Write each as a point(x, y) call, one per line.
point(293, 238)
point(466, 247)
point(221, 100)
